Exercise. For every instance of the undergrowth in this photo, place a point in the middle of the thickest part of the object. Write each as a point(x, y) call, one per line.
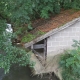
point(29, 36)
point(70, 63)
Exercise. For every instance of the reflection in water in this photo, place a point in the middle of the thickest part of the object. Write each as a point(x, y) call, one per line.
point(24, 73)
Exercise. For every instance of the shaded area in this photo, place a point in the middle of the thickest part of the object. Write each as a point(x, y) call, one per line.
point(24, 73)
point(1, 73)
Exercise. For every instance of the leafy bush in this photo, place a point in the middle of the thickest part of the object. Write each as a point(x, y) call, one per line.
point(10, 54)
point(28, 38)
point(23, 11)
point(75, 4)
point(70, 63)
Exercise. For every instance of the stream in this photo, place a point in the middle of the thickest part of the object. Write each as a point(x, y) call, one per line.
point(24, 73)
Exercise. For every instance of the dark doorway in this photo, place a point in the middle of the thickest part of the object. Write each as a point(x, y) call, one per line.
point(40, 49)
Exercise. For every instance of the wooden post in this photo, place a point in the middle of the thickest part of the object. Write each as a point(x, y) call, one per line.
point(41, 46)
point(38, 46)
point(45, 48)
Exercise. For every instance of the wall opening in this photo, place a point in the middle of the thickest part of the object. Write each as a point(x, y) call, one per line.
point(40, 49)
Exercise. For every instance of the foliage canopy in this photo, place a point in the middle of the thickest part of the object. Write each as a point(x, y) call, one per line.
point(70, 63)
point(23, 11)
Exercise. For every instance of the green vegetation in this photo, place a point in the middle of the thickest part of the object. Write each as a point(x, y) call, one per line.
point(10, 54)
point(21, 12)
point(39, 33)
point(70, 63)
point(29, 36)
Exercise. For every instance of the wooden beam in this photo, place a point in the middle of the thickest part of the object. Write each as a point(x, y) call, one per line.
point(37, 54)
point(38, 46)
point(45, 49)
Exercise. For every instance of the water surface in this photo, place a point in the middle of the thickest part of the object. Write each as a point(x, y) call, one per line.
point(24, 73)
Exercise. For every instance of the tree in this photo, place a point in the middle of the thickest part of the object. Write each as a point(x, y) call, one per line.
point(10, 54)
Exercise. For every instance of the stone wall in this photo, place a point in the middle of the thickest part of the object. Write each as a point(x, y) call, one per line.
point(63, 40)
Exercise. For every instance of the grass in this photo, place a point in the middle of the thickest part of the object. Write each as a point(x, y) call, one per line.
point(29, 37)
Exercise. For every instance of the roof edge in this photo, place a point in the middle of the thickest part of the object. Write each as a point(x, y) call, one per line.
point(26, 45)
